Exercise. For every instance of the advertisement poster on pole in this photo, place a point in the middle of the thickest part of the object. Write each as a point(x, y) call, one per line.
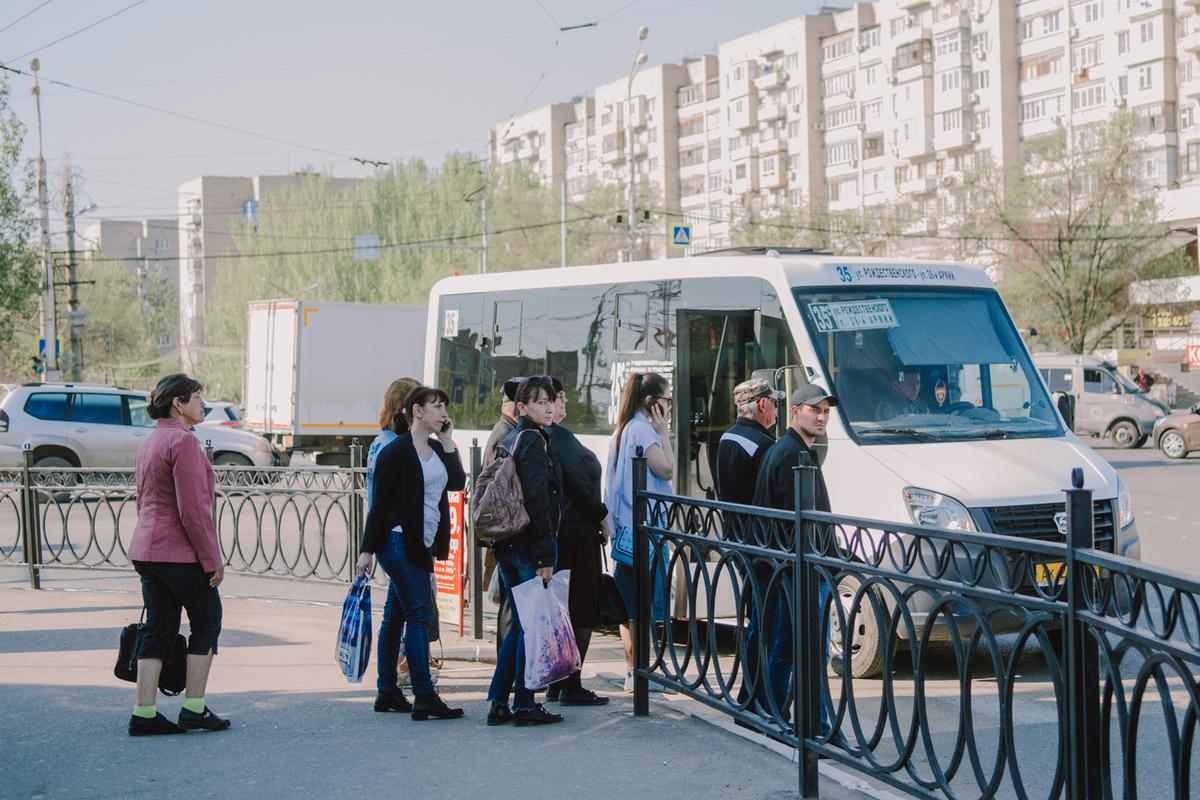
point(449, 573)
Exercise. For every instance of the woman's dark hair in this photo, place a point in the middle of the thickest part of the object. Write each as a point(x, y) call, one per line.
point(639, 386)
point(390, 418)
point(169, 387)
point(419, 396)
point(558, 385)
point(530, 389)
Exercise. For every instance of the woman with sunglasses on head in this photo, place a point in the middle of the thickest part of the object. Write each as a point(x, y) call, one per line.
point(643, 421)
point(532, 552)
point(581, 535)
point(408, 525)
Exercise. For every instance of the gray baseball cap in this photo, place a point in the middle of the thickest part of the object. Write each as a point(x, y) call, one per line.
point(810, 394)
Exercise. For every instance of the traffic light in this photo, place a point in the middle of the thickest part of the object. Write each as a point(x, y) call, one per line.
point(38, 364)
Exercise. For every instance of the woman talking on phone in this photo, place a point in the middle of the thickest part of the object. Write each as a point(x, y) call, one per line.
point(408, 525)
point(643, 421)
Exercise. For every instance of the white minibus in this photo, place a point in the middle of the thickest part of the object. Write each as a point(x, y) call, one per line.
point(978, 444)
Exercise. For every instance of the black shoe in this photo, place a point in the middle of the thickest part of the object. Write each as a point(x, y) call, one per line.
point(190, 721)
point(430, 706)
point(553, 693)
point(392, 701)
point(158, 725)
point(838, 665)
point(499, 715)
point(582, 698)
point(535, 716)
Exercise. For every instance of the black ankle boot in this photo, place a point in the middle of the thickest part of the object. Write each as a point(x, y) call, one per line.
point(430, 706)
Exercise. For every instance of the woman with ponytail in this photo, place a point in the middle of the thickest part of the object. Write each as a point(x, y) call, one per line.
point(643, 422)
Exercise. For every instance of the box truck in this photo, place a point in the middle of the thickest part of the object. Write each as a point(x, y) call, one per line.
point(316, 371)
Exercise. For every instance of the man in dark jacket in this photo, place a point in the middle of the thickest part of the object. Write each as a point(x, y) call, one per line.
point(742, 447)
point(776, 488)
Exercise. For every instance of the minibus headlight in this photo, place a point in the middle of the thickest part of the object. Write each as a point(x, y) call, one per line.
point(932, 510)
point(1124, 504)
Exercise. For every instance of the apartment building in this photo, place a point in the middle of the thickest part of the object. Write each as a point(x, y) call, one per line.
point(207, 207)
point(149, 248)
point(892, 101)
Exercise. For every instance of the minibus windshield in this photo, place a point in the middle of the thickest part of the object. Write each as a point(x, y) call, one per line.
point(926, 365)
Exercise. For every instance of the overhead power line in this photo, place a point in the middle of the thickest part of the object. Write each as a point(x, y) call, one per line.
point(26, 14)
point(76, 33)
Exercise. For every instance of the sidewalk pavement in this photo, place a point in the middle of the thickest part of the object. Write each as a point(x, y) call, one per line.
point(300, 730)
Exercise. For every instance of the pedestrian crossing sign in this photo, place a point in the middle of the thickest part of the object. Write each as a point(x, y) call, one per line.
point(682, 236)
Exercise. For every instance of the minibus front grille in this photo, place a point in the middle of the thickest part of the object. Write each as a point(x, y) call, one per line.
point(1038, 522)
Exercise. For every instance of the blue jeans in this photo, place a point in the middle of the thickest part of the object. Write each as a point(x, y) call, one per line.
point(516, 566)
point(407, 619)
point(778, 629)
point(624, 578)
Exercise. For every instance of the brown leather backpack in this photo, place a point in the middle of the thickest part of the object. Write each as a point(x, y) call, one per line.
point(498, 501)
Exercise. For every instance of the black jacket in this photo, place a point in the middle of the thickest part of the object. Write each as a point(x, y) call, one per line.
point(739, 454)
point(776, 485)
point(583, 509)
point(541, 483)
point(398, 498)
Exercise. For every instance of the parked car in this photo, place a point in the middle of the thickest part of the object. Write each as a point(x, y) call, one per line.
point(1106, 402)
point(1178, 434)
point(219, 412)
point(95, 425)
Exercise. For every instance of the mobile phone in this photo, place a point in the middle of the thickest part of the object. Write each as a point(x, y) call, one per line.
point(445, 426)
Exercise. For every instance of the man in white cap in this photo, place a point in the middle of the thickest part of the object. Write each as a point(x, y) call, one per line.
point(743, 446)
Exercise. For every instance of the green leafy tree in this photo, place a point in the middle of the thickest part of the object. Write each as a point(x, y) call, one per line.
point(876, 230)
point(18, 252)
point(1072, 226)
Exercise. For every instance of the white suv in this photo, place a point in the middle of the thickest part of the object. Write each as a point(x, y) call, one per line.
point(95, 425)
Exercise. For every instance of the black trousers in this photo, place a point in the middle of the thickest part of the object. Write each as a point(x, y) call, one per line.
point(167, 589)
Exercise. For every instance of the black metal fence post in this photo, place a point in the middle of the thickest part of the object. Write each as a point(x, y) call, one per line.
point(31, 528)
point(476, 549)
point(1083, 669)
point(356, 502)
point(809, 657)
point(643, 584)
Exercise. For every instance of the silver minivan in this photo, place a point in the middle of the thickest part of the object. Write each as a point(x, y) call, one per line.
point(1107, 403)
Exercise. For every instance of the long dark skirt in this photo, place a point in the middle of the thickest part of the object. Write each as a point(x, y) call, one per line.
point(582, 556)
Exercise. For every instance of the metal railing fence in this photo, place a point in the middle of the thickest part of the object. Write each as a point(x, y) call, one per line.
point(275, 522)
point(1009, 667)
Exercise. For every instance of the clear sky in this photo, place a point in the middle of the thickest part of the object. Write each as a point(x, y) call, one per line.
point(322, 81)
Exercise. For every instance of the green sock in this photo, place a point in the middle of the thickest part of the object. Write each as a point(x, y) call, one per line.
point(194, 704)
point(146, 712)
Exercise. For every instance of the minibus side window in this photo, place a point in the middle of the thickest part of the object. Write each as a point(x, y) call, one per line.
point(629, 333)
point(1098, 381)
point(1059, 380)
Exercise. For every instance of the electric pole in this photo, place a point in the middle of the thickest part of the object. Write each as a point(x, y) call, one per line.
point(51, 372)
point(71, 183)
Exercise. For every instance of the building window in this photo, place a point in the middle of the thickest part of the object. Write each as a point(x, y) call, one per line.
point(873, 111)
point(715, 182)
point(843, 153)
point(951, 80)
point(1187, 116)
point(982, 79)
point(714, 149)
point(946, 45)
point(689, 187)
point(1123, 85)
point(847, 115)
point(1041, 65)
point(952, 120)
point(869, 39)
point(1085, 56)
point(1186, 70)
point(1088, 96)
point(794, 94)
point(1041, 107)
point(911, 54)
point(1087, 13)
point(250, 210)
point(842, 47)
point(1147, 29)
point(1145, 77)
point(691, 126)
point(874, 147)
point(739, 172)
point(983, 119)
point(837, 84)
point(162, 245)
point(1122, 42)
point(768, 165)
point(692, 157)
point(689, 95)
point(1193, 157)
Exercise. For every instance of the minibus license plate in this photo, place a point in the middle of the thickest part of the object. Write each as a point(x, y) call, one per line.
point(1045, 574)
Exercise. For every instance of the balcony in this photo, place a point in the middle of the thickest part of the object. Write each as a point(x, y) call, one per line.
point(614, 156)
point(773, 180)
point(775, 79)
point(770, 111)
point(922, 226)
point(952, 139)
point(740, 88)
point(911, 34)
point(1191, 42)
point(951, 60)
point(919, 185)
point(749, 183)
point(951, 22)
point(776, 144)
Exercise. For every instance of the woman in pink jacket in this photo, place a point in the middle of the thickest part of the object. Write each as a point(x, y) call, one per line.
point(176, 552)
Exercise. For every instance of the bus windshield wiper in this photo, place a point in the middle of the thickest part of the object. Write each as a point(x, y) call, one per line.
point(909, 432)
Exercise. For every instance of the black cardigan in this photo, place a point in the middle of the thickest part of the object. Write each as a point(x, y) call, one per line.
point(398, 498)
point(583, 509)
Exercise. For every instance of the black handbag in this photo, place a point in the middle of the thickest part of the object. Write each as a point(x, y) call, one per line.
point(173, 678)
point(612, 607)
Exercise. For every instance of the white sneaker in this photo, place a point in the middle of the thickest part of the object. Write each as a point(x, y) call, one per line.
point(404, 681)
point(629, 681)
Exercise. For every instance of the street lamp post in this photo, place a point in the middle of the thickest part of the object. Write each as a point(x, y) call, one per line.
point(639, 58)
point(50, 371)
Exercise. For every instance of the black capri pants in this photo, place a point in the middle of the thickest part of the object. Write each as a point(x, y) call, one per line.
point(167, 589)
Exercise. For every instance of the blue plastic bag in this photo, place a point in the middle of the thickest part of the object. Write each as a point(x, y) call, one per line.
point(353, 651)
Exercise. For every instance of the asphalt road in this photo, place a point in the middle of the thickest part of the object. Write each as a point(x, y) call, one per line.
point(1166, 503)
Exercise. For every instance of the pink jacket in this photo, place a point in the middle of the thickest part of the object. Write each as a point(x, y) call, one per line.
point(175, 486)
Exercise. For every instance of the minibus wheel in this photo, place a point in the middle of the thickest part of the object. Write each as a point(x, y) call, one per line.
point(866, 651)
point(1125, 435)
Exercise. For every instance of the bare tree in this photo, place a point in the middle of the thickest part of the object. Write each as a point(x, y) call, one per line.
point(1074, 224)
